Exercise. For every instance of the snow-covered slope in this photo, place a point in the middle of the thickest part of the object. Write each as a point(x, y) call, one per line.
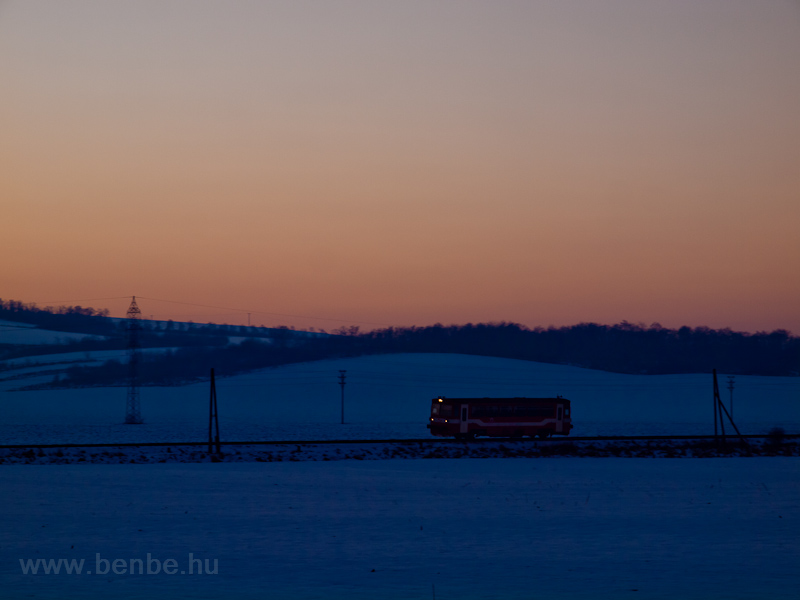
point(389, 396)
point(12, 332)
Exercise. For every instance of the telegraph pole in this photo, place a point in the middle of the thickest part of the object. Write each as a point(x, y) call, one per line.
point(213, 417)
point(716, 399)
point(342, 377)
point(731, 379)
point(133, 414)
point(719, 407)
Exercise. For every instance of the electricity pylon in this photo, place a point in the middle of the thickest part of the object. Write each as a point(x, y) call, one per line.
point(133, 413)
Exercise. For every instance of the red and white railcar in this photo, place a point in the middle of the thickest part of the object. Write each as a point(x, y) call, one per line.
point(500, 417)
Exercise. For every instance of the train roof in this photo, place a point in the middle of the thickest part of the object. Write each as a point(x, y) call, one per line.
point(516, 400)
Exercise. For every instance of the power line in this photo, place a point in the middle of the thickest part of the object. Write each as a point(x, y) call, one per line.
point(80, 300)
point(263, 312)
point(242, 311)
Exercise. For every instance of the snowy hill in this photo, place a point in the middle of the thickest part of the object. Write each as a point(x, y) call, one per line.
point(388, 396)
point(15, 333)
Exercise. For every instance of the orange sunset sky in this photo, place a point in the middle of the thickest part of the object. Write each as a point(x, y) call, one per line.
point(405, 163)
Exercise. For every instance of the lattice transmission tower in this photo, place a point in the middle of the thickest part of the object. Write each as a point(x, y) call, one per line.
point(133, 413)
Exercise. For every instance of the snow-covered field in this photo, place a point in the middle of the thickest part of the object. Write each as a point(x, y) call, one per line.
point(495, 528)
point(397, 450)
point(385, 397)
point(12, 332)
point(356, 529)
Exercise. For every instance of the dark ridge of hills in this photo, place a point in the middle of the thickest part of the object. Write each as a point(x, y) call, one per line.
point(111, 334)
point(193, 349)
point(69, 319)
point(620, 348)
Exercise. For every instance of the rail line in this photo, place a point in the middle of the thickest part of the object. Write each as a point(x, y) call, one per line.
point(551, 440)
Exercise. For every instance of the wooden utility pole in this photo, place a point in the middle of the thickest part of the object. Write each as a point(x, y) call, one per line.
point(716, 397)
point(213, 418)
point(342, 377)
point(719, 407)
point(731, 380)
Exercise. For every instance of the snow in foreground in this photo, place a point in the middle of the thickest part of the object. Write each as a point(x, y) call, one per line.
point(427, 449)
point(494, 528)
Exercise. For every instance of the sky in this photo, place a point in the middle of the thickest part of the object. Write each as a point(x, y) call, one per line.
point(405, 163)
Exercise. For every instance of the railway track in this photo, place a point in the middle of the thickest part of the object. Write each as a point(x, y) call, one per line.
point(552, 440)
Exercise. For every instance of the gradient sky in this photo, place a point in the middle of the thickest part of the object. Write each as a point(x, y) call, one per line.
point(406, 162)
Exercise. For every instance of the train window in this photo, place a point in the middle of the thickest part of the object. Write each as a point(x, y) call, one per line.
point(559, 413)
point(435, 408)
point(446, 410)
point(513, 411)
point(533, 411)
point(566, 412)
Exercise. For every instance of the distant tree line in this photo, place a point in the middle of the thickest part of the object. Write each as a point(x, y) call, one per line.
point(194, 348)
point(621, 348)
point(111, 334)
point(72, 319)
